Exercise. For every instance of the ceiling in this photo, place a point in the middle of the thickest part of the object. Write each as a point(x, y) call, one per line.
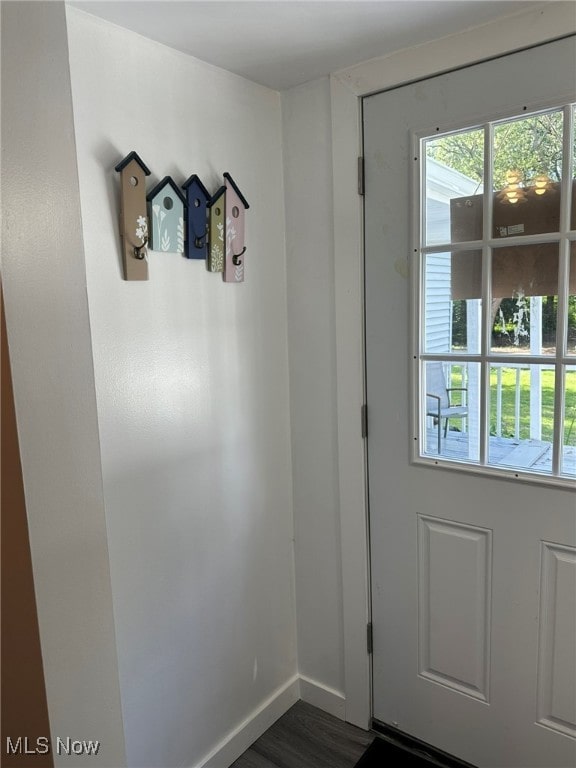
point(282, 43)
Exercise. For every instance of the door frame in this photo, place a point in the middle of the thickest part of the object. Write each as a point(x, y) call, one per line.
point(543, 23)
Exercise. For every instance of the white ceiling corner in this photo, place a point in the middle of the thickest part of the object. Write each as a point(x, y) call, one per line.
point(284, 43)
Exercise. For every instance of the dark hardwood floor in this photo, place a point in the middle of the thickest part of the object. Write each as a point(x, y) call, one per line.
point(306, 737)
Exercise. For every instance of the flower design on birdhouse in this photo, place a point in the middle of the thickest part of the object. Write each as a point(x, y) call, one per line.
point(167, 205)
point(217, 258)
point(142, 228)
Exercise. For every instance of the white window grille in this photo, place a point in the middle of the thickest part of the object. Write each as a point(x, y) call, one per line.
point(495, 297)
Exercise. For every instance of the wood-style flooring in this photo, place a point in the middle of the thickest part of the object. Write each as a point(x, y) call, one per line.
point(306, 737)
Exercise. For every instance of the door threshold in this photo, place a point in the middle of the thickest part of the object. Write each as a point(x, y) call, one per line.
point(417, 747)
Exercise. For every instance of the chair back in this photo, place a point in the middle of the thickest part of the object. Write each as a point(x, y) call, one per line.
point(436, 385)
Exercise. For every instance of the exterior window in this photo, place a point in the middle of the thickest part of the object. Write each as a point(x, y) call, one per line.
point(496, 346)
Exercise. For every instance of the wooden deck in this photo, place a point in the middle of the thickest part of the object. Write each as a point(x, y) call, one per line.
point(535, 455)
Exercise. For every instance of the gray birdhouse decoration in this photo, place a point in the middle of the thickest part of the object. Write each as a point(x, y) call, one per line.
point(133, 220)
point(166, 211)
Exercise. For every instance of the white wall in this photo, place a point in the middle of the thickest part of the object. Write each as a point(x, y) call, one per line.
point(48, 329)
point(307, 141)
point(192, 395)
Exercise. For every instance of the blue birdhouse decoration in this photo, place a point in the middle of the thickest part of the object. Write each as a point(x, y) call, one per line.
point(166, 215)
point(197, 197)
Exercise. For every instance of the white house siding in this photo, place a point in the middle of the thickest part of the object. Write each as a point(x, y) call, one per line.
point(442, 184)
point(438, 303)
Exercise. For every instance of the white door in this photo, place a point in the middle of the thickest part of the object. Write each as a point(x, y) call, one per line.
point(473, 568)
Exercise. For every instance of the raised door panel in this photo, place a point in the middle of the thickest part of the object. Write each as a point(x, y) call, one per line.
point(455, 564)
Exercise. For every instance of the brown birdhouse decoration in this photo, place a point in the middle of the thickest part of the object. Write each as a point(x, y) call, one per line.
point(133, 219)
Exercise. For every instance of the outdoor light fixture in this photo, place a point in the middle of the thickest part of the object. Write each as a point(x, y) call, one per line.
point(542, 184)
point(513, 192)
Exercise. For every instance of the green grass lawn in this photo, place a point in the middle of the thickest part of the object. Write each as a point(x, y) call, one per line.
point(508, 400)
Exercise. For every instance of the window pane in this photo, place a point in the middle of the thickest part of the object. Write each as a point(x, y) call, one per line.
point(521, 416)
point(453, 182)
point(451, 410)
point(452, 305)
point(572, 302)
point(525, 299)
point(569, 440)
point(526, 175)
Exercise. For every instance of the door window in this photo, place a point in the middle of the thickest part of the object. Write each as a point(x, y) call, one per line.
point(497, 283)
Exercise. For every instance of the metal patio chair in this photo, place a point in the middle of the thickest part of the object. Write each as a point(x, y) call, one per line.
point(438, 399)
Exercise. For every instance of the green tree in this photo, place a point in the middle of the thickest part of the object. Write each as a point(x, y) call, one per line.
point(532, 145)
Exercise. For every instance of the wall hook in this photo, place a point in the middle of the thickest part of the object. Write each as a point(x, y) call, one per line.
point(140, 250)
point(200, 241)
point(236, 257)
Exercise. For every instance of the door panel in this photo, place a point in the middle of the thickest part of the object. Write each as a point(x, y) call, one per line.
point(557, 657)
point(455, 566)
point(473, 583)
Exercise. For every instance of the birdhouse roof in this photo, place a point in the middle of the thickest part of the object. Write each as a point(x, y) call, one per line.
point(196, 179)
point(216, 196)
point(128, 159)
point(166, 181)
point(240, 195)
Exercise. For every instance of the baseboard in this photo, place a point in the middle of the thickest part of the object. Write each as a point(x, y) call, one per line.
point(242, 737)
point(323, 697)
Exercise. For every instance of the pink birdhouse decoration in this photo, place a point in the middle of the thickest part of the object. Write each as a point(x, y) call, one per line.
point(236, 206)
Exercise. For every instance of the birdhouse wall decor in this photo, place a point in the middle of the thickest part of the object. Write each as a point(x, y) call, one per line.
point(183, 220)
point(197, 196)
point(236, 206)
point(216, 231)
point(166, 207)
point(134, 227)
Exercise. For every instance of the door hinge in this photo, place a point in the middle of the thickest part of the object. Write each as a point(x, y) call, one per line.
point(369, 638)
point(364, 420)
point(360, 175)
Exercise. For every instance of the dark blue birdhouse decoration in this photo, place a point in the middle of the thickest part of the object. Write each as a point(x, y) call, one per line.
point(166, 215)
point(197, 196)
